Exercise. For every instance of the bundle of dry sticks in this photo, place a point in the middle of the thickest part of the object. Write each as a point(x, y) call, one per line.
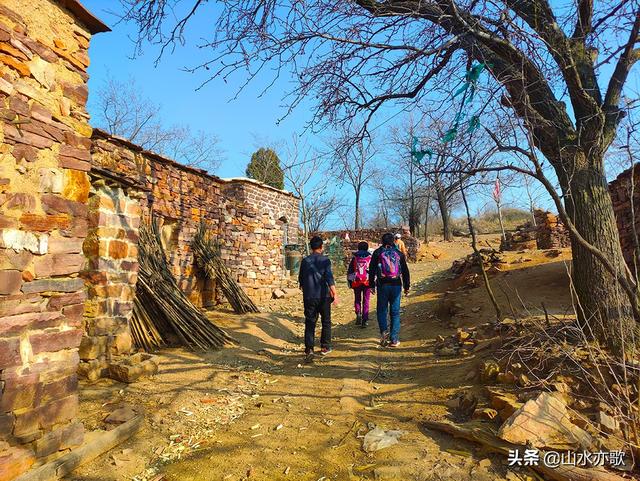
point(208, 258)
point(162, 314)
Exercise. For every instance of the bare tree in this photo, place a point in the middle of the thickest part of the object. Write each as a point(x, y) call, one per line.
point(361, 54)
point(301, 171)
point(354, 164)
point(123, 110)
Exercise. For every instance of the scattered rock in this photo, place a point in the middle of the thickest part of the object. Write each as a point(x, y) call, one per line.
point(608, 424)
point(489, 371)
point(544, 423)
point(505, 404)
point(506, 378)
point(120, 415)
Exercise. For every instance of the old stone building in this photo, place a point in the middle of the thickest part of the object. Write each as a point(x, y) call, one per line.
point(623, 189)
point(251, 221)
point(45, 141)
point(71, 202)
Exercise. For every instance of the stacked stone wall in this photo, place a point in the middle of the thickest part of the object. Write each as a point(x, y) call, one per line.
point(372, 237)
point(248, 218)
point(111, 249)
point(620, 190)
point(44, 186)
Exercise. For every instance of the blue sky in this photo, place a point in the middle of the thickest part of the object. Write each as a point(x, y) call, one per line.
point(211, 109)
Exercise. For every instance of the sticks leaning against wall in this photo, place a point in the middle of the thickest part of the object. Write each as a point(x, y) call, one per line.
point(162, 312)
point(207, 256)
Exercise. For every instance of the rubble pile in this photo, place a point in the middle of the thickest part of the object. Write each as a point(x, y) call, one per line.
point(548, 233)
point(551, 232)
point(491, 258)
point(465, 340)
point(548, 389)
point(524, 237)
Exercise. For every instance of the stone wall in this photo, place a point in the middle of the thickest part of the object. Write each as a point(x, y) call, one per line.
point(250, 220)
point(44, 159)
point(548, 233)
point(372, 236)
point(258, 222)
point(112, 265)
point(620, 190)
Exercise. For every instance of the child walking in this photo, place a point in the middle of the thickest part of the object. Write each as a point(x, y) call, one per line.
point(358, 279)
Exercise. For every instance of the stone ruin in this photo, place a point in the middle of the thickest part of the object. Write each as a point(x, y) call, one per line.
point(620, 190)
point(371, 236)
point(548, 233)
point(71, 202)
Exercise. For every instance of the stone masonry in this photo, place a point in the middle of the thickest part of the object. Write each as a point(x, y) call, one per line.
point(111, 273)
point(251, 221)
point(620, 190)
point(44, 187)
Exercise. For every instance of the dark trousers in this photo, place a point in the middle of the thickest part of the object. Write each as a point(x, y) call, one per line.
point(312, 309)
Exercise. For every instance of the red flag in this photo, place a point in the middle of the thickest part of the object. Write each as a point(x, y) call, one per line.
point(496, 190)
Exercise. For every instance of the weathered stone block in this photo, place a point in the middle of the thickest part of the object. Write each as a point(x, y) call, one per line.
point(11, 259)
point(44, 223)
point(19, 394)
point(58, 411)
point(58, 389)
point(133, 368)
point(51, 180)
point(55, 340)
point(93, 370)
point(10, 282)
point(55, 204)
point(59, 301)
point(122, 343)
point(9, 353)
point(19, 240)
point(118, 249)
point(76, 185)
point(58, 265)
point(62, 438)
point(53, 285)
point(92, 347)
point(60, 245)
point(14, 461)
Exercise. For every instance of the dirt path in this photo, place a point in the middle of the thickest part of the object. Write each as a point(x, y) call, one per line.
point(299, 421)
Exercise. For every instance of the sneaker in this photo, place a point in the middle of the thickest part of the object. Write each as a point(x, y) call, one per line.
point(364, 324)
point(394, 344)
point(358, 320)
point(325, 350)
point(308, 358)
point(384, 338)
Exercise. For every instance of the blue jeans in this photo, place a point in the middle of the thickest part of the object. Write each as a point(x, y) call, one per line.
point(389, 299)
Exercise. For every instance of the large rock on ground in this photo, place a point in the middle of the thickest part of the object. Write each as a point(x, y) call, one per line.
point(544, 423)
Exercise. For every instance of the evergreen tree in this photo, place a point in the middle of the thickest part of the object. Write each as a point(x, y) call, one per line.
point(265, 167)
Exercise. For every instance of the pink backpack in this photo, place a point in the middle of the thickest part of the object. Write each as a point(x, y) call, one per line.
point(390, 263)
point(360, 271)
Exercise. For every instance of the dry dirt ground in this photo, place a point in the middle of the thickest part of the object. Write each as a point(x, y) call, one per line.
point(254, 411)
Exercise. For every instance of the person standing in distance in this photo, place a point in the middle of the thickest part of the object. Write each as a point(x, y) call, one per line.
point(318, 293)
point(388, 275)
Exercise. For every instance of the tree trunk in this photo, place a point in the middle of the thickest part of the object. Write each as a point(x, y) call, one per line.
point(604, 309)
point(426, 222)
point(444, 214)
point(357, 216)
